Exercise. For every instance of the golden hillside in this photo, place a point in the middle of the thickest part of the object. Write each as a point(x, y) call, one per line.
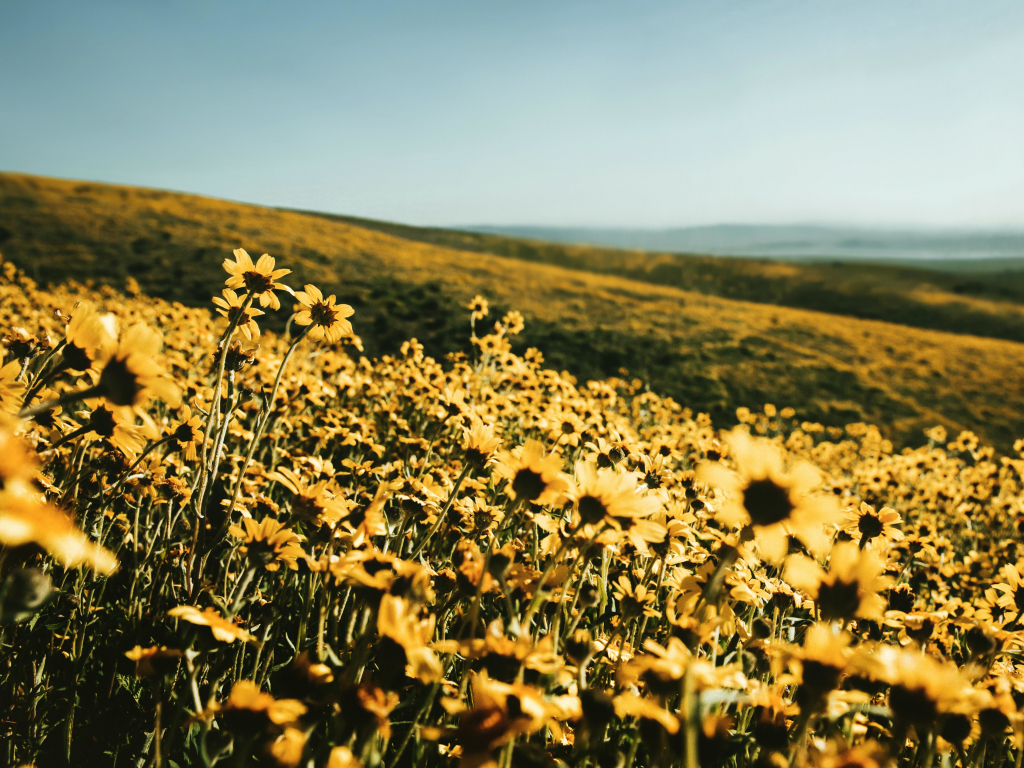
point(710, 353)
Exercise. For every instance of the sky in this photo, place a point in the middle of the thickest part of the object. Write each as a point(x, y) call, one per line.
point(592, 113)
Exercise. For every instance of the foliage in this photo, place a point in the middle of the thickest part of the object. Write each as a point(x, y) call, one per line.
point(260, 548)
point(713, 354)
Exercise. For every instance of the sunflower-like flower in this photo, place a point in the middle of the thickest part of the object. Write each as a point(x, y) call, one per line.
point(188, 433)
point(820, 663)
point(249, 711)
point(326, 317)
point(606, 495)
point(116, 427)
point(619, 502)
point(405, 637)
point(565, 427)
point(1011, 594)
point(478, 308)
point(500, 713)
point(25, 517)
point(156, 660)
point(866, 526)
point(221, 629)
point(88, 338)
point(12, 391)
point(774, 499)
point(851, 587)
point(259, 279)
point(231, 307)
point(635, 601)
point(268, 543)
point(481, 443)
point(321, 502)
point(132, 375)
point(532, 476)
point(923, 690)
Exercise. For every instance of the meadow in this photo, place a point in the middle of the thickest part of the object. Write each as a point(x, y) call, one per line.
point(665, 320)
point(227, 545)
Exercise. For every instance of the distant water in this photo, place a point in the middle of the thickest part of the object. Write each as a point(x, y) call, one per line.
point(794, 242)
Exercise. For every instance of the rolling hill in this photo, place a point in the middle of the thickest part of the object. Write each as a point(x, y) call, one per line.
point(710, 352)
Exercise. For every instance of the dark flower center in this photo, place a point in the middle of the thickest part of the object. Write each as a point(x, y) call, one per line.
point(591, 509)
point(76, 358)
point(901, 598)
point(119, 385)
point(185, 433)
point(839, 600)
point(820, 677)
point(766, 502)
point(257, 283)
point(870, 526)
point(912, 705)
point(528, 485)
point(568, 428)
point(101, 421)
point(323, 314)
point(1018, 599)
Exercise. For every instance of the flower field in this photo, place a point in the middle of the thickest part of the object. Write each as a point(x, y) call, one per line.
point(227, 546)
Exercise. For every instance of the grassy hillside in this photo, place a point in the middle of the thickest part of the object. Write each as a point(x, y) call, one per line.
point(983, 298)
point(709, 353)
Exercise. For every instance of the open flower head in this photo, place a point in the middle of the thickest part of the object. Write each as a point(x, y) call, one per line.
point(326, 318)
point(233, 306)
point(771, 496)
point(850, 589)
point(222, 629)
point(133, 374)
point(12, 391)
point(259, 279)
point(88, 338)
point(268, 543)
point(27, 518)
point(532, 476)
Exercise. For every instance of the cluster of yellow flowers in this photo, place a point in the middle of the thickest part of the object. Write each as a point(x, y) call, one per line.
point(225, 546)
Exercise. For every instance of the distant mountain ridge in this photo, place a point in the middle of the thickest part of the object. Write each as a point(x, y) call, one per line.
point(790, 241)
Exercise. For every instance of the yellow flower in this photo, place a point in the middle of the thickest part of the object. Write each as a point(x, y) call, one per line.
point(287, 749)
point(231, 307)
point(268, 543)
point(774, 499)
point(26, 518)
point(481, 443)
point(326, 317)
point(867, 526)
point(397, 621)
point(478, 307)
point(156, 660)
point(342, 757)
point(259, 279)
point(88, 337)
point(606, 495)
point(250, 710)
point(132, 375)
point(850, 588)
point(188, 433)
point(635, 601)
point(532, 476)
point(12, 391)
point(222, 629)
point(1011, 593)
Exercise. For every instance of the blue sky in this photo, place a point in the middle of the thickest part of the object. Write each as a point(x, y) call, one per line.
point(642, 114)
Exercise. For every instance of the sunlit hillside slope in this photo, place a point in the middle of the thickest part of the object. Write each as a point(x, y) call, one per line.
point(709, 353)
point(984, 297)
